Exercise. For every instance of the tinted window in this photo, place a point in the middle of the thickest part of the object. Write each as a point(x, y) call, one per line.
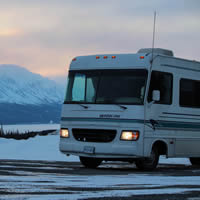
point(189, 93)
point(161, 81)
point(106, 86)
point(78, 90)
point(125, 86)
point(82, 86)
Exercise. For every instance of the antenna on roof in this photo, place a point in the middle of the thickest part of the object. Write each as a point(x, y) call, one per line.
point(154, 28)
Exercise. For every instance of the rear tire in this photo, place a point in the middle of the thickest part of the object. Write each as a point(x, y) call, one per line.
point(90, 162)
point(195, 161)
point(148, 163)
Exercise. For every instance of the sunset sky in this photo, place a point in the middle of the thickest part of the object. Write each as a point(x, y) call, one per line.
point(44, 35)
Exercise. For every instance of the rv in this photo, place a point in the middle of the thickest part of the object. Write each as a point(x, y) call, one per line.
point(132, 107)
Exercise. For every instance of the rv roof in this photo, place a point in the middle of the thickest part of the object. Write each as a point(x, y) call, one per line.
point(165, 52)
point(142, 59)
point(111, 61)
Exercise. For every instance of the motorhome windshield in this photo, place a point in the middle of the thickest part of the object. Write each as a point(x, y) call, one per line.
point(106, 86)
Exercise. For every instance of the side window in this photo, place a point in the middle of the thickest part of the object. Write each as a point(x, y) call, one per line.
point(161, 81)
point(189, 93)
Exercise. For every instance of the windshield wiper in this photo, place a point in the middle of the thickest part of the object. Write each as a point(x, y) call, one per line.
point(123, 107)
point(76, 102)
point(86, 107)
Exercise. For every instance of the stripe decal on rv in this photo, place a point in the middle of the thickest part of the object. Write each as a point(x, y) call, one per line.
point(103, 120)
point(178, 124)
point(161, 123)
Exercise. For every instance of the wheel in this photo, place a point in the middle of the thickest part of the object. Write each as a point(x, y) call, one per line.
point(148, 163)
point(195, 161)
point(90, 162)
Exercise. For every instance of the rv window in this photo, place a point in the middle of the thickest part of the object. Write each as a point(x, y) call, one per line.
point(82, 87)
point(78, 90)
point(189, 93)
point(106, 86)
point(125, 86)
point(161, 81)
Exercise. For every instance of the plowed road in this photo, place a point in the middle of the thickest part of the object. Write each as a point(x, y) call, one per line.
point(35, 180)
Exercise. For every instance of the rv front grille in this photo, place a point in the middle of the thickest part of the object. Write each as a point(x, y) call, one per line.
point(94, 135)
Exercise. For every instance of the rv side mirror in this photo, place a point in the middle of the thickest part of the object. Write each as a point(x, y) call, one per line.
point(156, 95)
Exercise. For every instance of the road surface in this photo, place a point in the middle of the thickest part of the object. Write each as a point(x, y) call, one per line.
point(35, 180)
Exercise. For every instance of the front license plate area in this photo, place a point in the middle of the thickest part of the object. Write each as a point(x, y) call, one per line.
point(89, 150)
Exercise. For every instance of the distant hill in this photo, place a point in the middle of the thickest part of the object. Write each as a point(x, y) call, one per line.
point(26, 97)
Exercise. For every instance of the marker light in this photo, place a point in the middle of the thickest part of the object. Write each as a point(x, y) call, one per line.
point(74, 59)
point(141, 57)
point(130, 135)
point(113, 57)
point(105, 57)
point(64, 133)
point(97, 57)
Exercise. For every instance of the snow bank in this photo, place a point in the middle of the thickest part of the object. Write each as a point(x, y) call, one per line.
point(30, 127)
point(38, 148)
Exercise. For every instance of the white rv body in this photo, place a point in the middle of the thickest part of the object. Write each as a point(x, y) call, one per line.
point(171, 128)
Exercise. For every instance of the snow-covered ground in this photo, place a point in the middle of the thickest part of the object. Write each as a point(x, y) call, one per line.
point(46, 147)
point(106, 186)
point(37, 148)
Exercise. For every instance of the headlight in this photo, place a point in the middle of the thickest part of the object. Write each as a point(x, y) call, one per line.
point(64, 133)
point(130, 135)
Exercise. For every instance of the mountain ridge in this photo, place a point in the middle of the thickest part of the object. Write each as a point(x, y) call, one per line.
point(26, 97)
point(20, 86)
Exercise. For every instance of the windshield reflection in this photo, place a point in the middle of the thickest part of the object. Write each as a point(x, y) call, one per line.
point(106, 86)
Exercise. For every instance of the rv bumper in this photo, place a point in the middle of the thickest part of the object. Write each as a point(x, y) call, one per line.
point(100, 150)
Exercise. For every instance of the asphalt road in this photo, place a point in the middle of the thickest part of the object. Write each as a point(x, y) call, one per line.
point(21, 179)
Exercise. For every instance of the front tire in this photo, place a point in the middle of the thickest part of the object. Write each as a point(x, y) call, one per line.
point(195, 161)
point(148, 163)
point(90, 162)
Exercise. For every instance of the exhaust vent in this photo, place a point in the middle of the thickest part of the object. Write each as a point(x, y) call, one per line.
point(165, 52)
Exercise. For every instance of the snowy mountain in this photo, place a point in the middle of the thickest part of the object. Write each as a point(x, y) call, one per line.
point(20, 86)
point(26, 97)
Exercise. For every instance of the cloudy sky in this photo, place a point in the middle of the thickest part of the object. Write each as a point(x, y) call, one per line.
point(44, 35)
